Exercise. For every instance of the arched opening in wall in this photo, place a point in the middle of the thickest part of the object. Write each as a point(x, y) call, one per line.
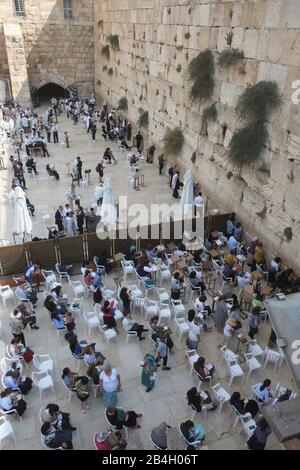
point(50, 90)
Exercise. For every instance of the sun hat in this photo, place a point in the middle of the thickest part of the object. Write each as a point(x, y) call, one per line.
point(17, 315)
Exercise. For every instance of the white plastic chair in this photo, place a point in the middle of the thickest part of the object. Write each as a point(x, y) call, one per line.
point(248, 425)
point(49, 448)
point(43, 381)
point(6, 364)
point(130, 334)
point(153, 443)
point(275, 357)
point(227, 353)
point(62, 274)
point(78, 360)
point(71, 393)
point(178, 308)
point(6, 430)
point(108, 334)
point(124, 428)
point(182, 327)
point(92, 321)
point(252, 363)
point(150, 308)
point(128, 268)
point(76, 306)
point(78, 288)
point(138, 302)
point(6, 293)
point(164, 274)
point(43, 362)
point(135, 291)
point(203, 409)
point(234, 368)
point(221, 395)
point(163, 295)
point(17, 358)
point(49, 277)
point(192, 357)
point(255, 349)
point(164, 312)
point(194, 443)
point(100, 268)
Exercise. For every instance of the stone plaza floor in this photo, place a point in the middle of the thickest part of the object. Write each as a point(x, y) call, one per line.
point(167, 401)
point(47, 194)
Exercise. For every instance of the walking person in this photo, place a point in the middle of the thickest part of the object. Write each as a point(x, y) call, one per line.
point(67, 141)
point(55, 133)
point(161, 163)
point(99, 193)
point(17, 326)
point(83, 388)
point(48, 132)
point(254, 322)
point(80, 220)
point(162, 353)
point(99, 170)
point(149, 372)
point(110, 384)
point(59, 217)
point(79, 168)
point(44, 147)
point(139, 141)
point(93, 128)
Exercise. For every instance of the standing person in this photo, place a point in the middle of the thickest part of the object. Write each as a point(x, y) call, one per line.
point(99, 193)
point(162, 353)
point(80, 220)
point(59, 217)
point(175, 184)
point(48, 132)
point(27, 148)
point(110, 384)
point(17, 326)
point(70, 225)
point(55, 133)
point(198, 204)
point(172, 171)
point(149, 372)
point(67, 141)
point(83, 388)
point(151, 151)
point(194, 334)
point(161, 163)
point(230, 226)
point(79, 168)
point(99, 170)
point(93, 128)
point(128, 131)
point(139, 141)
point(221, 314)
point(44, 147)
point(260, 436)
point(254, 322)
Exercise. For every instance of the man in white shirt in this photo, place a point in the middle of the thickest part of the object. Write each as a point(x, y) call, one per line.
point(198, 204)
point(99, 193)
point(194, 334)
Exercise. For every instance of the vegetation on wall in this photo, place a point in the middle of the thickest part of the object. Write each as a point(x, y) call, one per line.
point(123, 104)
point(230, 57)
point(104, 68)
point(210, 113)
point(201, 76)
point(143, 120)
point(105, 51)
point(193, 158)
point(173, 141)
point(252, 109)
point(288, 233)
point(110, 71)
point(100, 23)
point(113, 40)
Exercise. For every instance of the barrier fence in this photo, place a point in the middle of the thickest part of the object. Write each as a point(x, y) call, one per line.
point(73, 250)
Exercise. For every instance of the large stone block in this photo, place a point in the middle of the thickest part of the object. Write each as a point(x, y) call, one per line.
point(273, 14)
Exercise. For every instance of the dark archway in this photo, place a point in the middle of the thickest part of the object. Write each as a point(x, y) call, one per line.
point(50, 90)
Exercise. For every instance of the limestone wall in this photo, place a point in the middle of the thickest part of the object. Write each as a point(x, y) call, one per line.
point(158, 39)
point(57, 50)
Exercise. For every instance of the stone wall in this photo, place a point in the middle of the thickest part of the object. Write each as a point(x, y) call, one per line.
point(158, 39)
point(57, 50)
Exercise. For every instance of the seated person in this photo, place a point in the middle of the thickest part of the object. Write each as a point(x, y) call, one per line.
point(10, 401)
point(58, 320)
point(244, 406)
point(152, 254)
point(204, 372)
point(192, 432)
point(230, 258)
point(111, 440)
point(58, 419)
point(263, 391)
point(12, 379)
point(51, 306)
point(229, 272)
point(91, 357)
point(197, 399)
point(124, 144)
point(69, 321)
point(69, 377)
point(54, 438)
point(195, 282)
point(93, 373)
point(133, 160)
point(243, 279)
point(131, 325)
point(274, 269)
point(30, 163)
point(28, 318)
point(52, 172)
point(119, 418)
point(25, 292)
point(79, 348)
point(159, 435)
point(202, 305)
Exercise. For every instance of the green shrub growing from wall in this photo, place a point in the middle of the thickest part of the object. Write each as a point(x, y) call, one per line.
point(173, 141)
point(201, 76)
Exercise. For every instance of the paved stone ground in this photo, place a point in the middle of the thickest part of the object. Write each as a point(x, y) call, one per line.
point(165, 402)
point(46, 194)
